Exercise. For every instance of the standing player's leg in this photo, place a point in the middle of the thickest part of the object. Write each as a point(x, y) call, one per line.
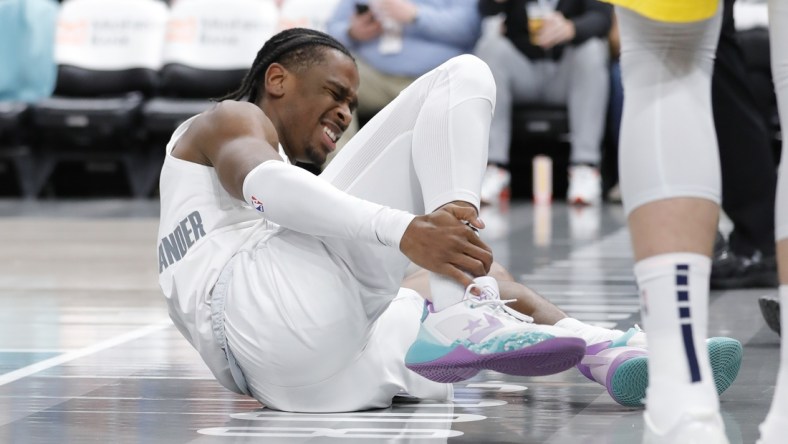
point(775, 427)
point(670, 180)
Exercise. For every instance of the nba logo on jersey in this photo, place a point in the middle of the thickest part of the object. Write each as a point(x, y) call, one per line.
point(258, 205)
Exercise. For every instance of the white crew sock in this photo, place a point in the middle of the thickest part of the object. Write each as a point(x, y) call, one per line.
point(445, 291)
point(674, 297)
point(775, 427)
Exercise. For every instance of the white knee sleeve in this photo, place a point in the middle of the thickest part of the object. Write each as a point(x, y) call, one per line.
point(450, 147)
point(668, 142)
point(778, 35)
point(296, 199)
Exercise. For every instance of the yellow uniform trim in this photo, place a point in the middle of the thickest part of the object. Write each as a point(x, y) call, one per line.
point(675, 11)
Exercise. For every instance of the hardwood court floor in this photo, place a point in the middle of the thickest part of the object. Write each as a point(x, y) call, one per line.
point(88, 355)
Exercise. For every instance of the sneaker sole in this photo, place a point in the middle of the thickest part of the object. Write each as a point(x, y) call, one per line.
point(628, 384)
point(770, 309)
point(545, 358)
point(630, 379)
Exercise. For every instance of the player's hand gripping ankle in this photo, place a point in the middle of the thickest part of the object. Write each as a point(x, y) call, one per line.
point(444, 242)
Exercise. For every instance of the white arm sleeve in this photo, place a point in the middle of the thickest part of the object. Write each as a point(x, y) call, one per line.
point(294, 198)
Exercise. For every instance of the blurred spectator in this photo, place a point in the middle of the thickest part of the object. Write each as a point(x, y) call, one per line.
point(549, 52)
point(396, 41)
point(27, 40)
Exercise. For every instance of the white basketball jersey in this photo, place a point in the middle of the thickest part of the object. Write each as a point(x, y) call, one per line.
point(201, 227)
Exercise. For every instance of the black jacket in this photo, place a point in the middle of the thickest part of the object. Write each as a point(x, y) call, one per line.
point(592, 18)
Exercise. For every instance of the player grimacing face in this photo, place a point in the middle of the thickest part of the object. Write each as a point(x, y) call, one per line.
point(320, 107)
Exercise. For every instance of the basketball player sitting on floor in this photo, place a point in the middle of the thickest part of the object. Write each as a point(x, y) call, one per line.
point(289, 285)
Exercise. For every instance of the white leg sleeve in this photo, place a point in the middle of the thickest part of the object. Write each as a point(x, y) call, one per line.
point(778, 35)
point(668, 142)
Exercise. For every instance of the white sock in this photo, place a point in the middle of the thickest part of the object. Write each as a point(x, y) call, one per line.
point(674, 297)
point(445, 291)
point(775, 427)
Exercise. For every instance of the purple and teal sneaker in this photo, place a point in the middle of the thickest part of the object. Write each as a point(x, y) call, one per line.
point(623, 370)
point(482, 333)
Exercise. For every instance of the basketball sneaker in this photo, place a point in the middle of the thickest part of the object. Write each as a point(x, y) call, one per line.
point(482, 333)
point(770, 309)
point(495, 185)
point(623, 369)
point(585, 185)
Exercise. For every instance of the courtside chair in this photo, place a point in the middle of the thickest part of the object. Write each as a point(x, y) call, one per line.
point(108, 54)
point(538, 129)
point(209, 47)
point(13, 148)
point(27, 74)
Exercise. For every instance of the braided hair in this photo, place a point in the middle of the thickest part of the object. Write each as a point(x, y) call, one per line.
point(294, 48)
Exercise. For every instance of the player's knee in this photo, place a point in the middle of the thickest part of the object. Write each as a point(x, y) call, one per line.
point(473, 74)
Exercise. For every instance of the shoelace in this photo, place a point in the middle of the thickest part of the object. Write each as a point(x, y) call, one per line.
point(500, 304)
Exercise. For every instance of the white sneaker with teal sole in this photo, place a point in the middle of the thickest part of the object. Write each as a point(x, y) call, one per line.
point(481, 332)
point(623, 369)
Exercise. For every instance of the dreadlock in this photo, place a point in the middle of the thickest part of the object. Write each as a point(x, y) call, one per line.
point(294, 48)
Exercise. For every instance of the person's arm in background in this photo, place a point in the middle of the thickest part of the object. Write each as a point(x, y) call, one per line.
point(514, 11)
point(614, 39)
point(351, 28)
point(458, 24)
point(595, 22)
point(559, 29)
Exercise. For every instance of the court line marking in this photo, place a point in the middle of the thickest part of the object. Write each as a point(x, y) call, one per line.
point(85, 351)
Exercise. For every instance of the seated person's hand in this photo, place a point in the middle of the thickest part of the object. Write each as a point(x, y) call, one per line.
point(364, 27)
point(556, 30)
point(443, 243)
point(401, 11)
